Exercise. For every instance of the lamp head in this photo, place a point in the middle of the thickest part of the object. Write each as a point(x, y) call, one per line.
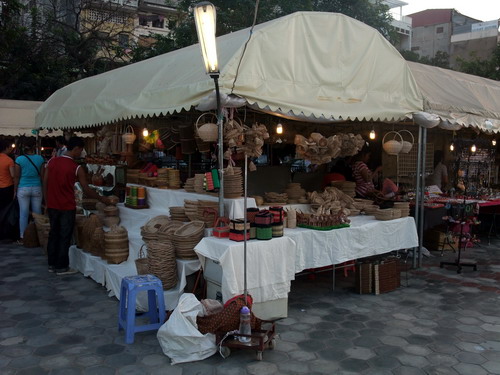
point(279, 129)
point(204, 16)
point(145, 132)
point(452, 147)
point(473, 148)
point(372, 134)
point(494, 142)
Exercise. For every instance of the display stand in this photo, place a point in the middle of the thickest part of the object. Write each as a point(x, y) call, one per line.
point(459, 262)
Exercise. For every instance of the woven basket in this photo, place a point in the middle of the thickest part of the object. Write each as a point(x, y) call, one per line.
point(186, 238)
point(208, 132)
point(116, 245)
point(78, 232)
point(30, 237)
point(97, 242)
point(111, 211)
point(42, 228)
point(393, 146)
point(141, 263)
point(89, 204)
point(162, 263)
point(91, 224)
point(129, 135)
point(155, 223)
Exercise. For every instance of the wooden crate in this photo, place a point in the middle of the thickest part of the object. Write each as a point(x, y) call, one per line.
point(386, 276)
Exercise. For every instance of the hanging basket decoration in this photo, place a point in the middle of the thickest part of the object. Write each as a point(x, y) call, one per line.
point(393, 146)
point(208, 132)
point(407, 146)
point(129, 135)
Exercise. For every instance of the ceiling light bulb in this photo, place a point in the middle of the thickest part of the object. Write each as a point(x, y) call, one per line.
point(473, 148)
point(494, 142)
point(42, 148)
point(145, 132)
point(452, 147)
point(372, 134)
point(13, 145)
point(279, 129)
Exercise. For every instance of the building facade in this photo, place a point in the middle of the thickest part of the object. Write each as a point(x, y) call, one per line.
point(457, 35)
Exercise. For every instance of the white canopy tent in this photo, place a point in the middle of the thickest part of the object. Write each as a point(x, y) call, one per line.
point(324, 66)
point(17, 117)
point(459, 99)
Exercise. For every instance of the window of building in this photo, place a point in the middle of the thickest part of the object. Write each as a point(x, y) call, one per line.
point(143, 20)
point(439, 30)
point(158, 22)
point(417, 48)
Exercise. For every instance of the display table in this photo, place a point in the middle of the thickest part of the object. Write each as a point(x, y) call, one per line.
point(365, 237)
point(162, 199)
point(111, 275)
point(270, 266)
point(273, 264)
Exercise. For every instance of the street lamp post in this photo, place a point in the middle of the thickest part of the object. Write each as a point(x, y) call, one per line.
point(204, 15)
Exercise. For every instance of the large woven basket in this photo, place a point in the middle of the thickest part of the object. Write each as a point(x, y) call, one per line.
point(116, 245)
point(208, 132)
point(78, 232)
point(91, 224)
point(162, 263)
point(97, 242)
point(155, 223)
point(42, 228)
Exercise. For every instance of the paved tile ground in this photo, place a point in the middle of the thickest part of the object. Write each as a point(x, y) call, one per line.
point(441, 323)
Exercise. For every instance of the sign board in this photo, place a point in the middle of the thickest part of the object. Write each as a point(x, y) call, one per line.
point(481, 26)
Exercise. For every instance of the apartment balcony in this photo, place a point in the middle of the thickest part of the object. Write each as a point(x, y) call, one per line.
point(403, 25)
point(122, 5)
point(158, 6)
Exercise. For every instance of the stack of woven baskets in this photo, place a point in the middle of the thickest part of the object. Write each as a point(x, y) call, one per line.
point(178, 214)
point(186, 238)
point(116, 245)
point(90, 244)
point(404, 207)
point(111, 216)
point(388, 214)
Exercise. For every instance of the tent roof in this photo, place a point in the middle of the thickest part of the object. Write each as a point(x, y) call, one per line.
point(17, 117)
point(318, 65)
point(460, 98)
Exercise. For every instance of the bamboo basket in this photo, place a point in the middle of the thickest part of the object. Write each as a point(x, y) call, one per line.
point(116, 245)
point(97, 242)
point(42, 224)
point(162, 263)
point(186, 238)
point(141, 263)
point(78, 233)
point(91, 224)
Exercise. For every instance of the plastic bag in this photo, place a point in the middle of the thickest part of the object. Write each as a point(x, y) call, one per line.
point(179, 337)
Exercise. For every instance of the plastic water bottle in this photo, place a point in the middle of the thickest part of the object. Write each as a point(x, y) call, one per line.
point(245, 325)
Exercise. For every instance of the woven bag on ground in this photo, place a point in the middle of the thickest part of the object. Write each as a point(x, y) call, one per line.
point(43, 228)
point(229, 318)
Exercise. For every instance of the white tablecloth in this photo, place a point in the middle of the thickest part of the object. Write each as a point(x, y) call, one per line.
point(273, 264)
point(162, 199)
point(365, 237)
point(111, 275)
point(270, 266)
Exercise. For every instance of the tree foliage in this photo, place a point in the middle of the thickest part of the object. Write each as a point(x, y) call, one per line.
point(44, 48)
point(441, 59)
point(488, 68)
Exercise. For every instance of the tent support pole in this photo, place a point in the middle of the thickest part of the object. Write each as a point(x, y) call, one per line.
point(422, 196)
point(417, 192)
point(220, 145)
point(245, 230)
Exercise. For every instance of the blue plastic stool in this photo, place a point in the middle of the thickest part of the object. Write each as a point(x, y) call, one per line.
point(130, 286)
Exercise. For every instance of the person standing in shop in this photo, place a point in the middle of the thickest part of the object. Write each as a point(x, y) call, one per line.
point(440, 175)
point(7, 175)
point(362, 175)
point(29, 190)
point(62, 172)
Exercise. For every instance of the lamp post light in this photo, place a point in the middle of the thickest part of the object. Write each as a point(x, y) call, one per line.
point(204, 15)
